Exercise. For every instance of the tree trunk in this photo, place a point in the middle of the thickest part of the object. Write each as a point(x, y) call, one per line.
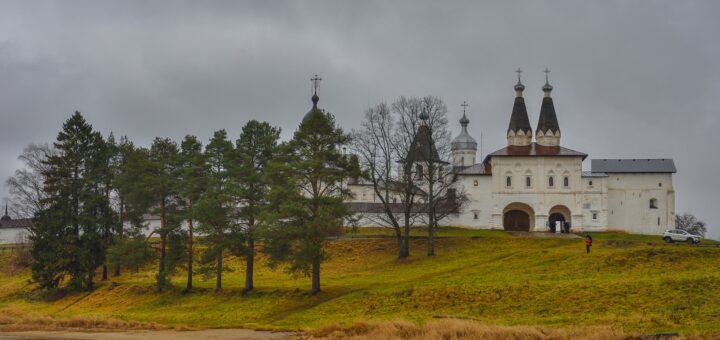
point(190, 256)
point(89, 284)
point(163, 239)
point(218, 277)
point(431, 212)
point(406, 238)
point(121, 233)
point(250, 262)
point(398, 237)
point(105, 273)
point(315, 276)
point(431, 236)
point(431, 241)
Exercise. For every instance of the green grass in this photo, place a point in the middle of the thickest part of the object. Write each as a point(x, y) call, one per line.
point(632, 282)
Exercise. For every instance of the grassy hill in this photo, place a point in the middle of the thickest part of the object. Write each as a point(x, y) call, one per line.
point(629, 282)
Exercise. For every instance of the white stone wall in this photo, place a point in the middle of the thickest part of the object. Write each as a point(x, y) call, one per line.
point(629, 198)
point(615, 202)
point(463, 158)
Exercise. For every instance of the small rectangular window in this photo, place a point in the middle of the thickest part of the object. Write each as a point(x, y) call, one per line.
point(590, 183)
point(528, 181)
point(508, 181)
point(594, 216)
point(660, 185)
point(475, 216)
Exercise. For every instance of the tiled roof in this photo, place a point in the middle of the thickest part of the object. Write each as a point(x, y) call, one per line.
point(475, 169)
point(534, 150)
point(663, 165)
point(423, 147)
point(18, 223)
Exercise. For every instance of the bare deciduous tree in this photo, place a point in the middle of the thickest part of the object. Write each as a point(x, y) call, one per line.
point(379, 148)
point(690, 223)
point(26, 185)
point(411, 134)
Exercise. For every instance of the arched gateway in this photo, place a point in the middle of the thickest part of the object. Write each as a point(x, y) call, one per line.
point(558, 213)
point(518, 217)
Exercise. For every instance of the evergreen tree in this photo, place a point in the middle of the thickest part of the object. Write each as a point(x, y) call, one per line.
point(192, 181)
point(68, 234)
point(306, 196)
point(216, 209)
point(122, 183)
point(256, 147)
point(132, 252)
point(159, 183)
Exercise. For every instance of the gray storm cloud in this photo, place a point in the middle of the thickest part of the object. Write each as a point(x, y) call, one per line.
point(632, 79)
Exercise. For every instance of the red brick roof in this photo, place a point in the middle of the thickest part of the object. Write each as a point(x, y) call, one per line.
point(534, 150)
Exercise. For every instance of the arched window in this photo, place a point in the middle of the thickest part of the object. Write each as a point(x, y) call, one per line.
point(528, 181)
point(551, 181)
point(475, 182)
point(418, 172)
point(653, 203)
point(508, 181)
point(566, 181)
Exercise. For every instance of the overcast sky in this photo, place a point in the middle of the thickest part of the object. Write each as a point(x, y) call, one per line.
point(633, 79)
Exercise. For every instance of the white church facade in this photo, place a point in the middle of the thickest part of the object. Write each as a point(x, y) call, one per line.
point(536, 184)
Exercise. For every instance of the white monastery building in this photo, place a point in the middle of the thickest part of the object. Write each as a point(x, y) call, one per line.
point(537, 184)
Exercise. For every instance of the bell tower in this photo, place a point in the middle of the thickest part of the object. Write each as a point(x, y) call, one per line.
point(464, 147)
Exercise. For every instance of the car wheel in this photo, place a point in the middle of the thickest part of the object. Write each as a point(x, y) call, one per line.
point(690, 241)
point(667, 239)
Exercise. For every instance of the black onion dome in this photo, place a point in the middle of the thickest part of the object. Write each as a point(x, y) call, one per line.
point(548, 119)
point(519, 120)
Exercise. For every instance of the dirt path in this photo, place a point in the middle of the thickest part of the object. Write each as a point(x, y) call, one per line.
point(230, 334)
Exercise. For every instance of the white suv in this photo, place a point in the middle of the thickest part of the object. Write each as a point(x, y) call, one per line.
point(677, 235)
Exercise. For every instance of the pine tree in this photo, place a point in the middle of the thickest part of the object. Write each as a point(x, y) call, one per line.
point(192, 181)
point(159, 183)
point(68, 233)
point(306, 196)
point(122, 183)
point(256, 147)
point(216, 208)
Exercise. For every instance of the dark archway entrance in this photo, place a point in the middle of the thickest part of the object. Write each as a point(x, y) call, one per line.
point(516, 220)
point(559, 213)
point(552, 220)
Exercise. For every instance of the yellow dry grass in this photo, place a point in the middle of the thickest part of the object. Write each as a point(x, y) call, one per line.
point(459, 329)
point(13, 321)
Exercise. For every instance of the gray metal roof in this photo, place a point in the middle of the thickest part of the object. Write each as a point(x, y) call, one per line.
point(663, 165)
point(593, 174)
point(475, 169)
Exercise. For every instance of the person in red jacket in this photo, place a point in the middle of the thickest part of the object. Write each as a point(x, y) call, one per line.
point(588, 243)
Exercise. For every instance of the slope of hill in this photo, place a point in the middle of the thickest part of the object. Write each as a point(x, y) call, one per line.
point(629, 282)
